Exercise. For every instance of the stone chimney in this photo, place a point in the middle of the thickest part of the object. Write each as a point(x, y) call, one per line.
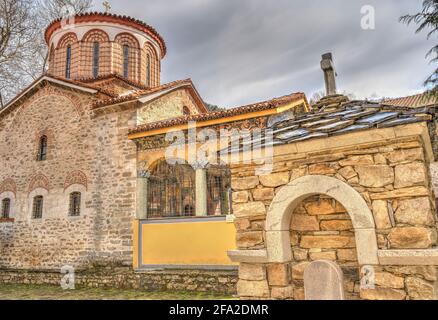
point(329, 73)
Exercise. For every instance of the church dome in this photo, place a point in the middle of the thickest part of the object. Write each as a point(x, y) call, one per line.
point(93, 45)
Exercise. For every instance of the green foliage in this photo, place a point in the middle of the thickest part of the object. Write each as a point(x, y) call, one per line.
point(427, 19)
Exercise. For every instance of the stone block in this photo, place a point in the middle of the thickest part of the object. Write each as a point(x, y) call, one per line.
point(401, 193)
point(300, 254)
point(249, 239)
point(323, 255)
point(388, 280)
point(245, 183)
point(357, 160)
point(322, 169)
point(254, 289)
point(412, 238)
point(278, 274)
point(240, 196)
point(381, 215)
point(249, 209)
point(379, 293)
point(408, 175)
point(252, 272)
point(339, 225)
point(347, 172)
point(298, 270)
point(282, 293)
point(304, 223)
point(320, 207)
point(405, 155)
point(419, 289)
point(263, 194)
point(275, 180)
point(375, 176)
point(347, 254)
point(327, 242)
point(415, 211)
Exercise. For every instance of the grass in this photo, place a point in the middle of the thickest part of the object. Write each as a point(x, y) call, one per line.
point(43, 292)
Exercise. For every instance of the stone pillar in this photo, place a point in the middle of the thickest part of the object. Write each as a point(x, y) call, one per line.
point(142, 192)
point(201, 191)
point(329, 73)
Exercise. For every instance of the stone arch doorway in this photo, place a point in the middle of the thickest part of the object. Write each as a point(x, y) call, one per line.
point(290, 196)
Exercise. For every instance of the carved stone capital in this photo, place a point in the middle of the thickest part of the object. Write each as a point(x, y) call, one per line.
point(143, 174)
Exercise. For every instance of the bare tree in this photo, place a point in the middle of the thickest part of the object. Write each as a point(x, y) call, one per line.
point(427, 19)
point(23, 51)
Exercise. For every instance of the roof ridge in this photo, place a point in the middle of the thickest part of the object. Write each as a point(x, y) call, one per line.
point(116, 76)
point(79, 83)
point(133, 96)
point(143, 24)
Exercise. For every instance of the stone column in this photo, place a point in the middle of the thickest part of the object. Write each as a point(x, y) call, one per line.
point(142, 193)
point(201, 191)
point(329, 73)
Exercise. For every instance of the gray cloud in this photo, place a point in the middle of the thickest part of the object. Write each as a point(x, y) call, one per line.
point(242, 51)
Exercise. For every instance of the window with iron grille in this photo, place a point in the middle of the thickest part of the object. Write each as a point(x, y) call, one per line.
point(75, 204)
point(6, 208)
point(68, 63)
point(171, 191)
point(126, 61)
point(96, 49)
point(37, 212)
point(219, 189)
point(42, 150)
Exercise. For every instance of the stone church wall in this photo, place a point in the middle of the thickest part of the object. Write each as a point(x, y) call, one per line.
point(85, 153)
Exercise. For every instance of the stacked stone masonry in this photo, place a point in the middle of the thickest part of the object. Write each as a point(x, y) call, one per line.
point(392, 178)
point(217, 282)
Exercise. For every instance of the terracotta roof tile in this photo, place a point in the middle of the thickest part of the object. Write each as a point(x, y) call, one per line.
point(114, 76)
point(83, 84)
point(134, 96)
point(415, 101)
point(260, 106)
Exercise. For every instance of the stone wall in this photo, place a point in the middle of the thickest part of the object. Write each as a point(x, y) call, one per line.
point(392, 177)
point(167, 107)
point(220, 282)
point(86, 153)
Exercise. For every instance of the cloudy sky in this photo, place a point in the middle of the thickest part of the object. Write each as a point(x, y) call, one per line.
point(243, 51)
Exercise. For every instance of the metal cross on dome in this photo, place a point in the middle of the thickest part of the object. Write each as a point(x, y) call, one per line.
point(107, 6)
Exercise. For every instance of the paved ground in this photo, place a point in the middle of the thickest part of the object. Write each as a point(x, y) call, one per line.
point(30, 292)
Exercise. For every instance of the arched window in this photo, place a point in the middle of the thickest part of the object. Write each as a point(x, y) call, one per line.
point(186, 111)
point(171, 191)
point(42, 150)
point(96, 50)
point(37, 210)
point(6, 208)
point(219, 190)
point(126, 61)
point(68, 62)
point(148, 70)
point(75, 204)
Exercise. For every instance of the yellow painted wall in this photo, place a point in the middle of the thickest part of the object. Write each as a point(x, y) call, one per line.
point(187, 243)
